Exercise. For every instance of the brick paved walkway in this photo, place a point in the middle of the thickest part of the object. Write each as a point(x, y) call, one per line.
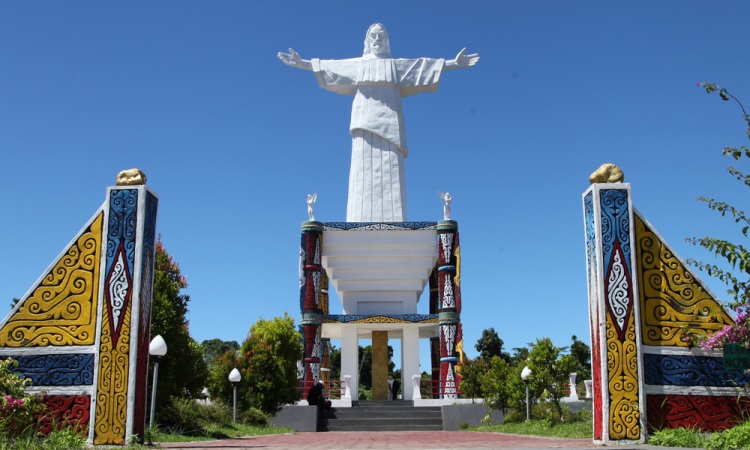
point(395, 440)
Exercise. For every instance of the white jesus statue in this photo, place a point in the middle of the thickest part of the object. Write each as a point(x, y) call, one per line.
point(377, 192)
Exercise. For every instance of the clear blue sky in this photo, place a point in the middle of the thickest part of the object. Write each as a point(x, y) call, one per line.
point(232, 140)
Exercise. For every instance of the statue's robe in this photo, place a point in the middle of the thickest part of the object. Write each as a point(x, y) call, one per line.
point(377, 192)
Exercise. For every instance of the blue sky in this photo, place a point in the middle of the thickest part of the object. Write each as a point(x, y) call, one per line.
point(232, 141)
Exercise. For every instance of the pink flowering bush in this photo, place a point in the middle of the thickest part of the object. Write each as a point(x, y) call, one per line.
point(735, 271)
point(738, 333)
point(17, 408)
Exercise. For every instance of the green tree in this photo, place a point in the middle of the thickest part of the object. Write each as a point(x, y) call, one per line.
point(182, 372)
point(218, 384)
point(335, 361)
point(365, 366)
point(213, 348)
point(550, 371)
point(735, 256)
point(472, 371)
point(497, 384)
point(272, 348)
point(489, 345)
point(520, 354)
point(582, 355)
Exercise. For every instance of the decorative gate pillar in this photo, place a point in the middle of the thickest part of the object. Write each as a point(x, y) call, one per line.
point(311, 280)
point(125, 315)
point(449, 305)
point(614, 315)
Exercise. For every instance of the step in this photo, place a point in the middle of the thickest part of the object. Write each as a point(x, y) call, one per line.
point(384, 415)
point(407, 427)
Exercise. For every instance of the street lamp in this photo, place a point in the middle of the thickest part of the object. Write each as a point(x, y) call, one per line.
point(157, 348)
point(235, 377)
point(525, 373)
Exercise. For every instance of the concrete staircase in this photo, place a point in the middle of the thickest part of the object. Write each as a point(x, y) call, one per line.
point(384, 415)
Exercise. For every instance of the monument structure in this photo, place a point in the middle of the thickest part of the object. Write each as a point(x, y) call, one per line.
point(81, 333)
point(645, 306)
point(377, 192)
point(378, 263)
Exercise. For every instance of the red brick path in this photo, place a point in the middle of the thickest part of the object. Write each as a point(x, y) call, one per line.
point(392, 440)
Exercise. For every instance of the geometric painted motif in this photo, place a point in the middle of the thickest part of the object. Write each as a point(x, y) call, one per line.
point(621, 337)
point(673, 301)
point(61, 310)
point(380, 318)
point(114, 343)
point(449, 307)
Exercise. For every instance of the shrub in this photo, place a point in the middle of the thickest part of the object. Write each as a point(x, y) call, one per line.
point(514, 416)
point(731, 439)
point(17, 408)
point(254, 417)
point(181, 414)
point(679, 437)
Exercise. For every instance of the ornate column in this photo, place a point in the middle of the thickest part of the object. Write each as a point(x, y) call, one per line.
point(449, 305)
point(614, 315)
point(311, 280)
point(124, 316)
point(434, 341)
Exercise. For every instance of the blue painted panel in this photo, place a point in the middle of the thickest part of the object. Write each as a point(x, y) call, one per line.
point(57, 370)
point(688, 370)
point(615, 223)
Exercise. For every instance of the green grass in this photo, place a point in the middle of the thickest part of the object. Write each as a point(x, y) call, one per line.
point(216, 431)
point(542, 428)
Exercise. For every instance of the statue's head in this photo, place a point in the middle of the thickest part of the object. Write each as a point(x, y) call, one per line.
point(377, 43)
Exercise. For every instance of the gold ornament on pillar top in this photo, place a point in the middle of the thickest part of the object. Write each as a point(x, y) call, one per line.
point(131, 177)
point(607, 173)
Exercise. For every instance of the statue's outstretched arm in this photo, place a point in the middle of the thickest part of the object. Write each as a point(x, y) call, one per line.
point(461, 61)
point(295, 60)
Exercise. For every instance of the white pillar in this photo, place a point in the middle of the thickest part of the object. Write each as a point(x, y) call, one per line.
point(350, 358)
point(409, 359)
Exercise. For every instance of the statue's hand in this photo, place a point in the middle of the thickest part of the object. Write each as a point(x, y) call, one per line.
point(464, 60)
point(290, 59)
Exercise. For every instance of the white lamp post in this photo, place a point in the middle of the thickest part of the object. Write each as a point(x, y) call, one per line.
point(235, 377)
point(157, 348)
point(525, 373)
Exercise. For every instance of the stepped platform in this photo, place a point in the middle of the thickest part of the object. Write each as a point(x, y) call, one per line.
point(383, 415)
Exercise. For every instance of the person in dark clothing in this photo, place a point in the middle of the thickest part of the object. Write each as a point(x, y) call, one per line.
point(394, 389)
point(316, 396)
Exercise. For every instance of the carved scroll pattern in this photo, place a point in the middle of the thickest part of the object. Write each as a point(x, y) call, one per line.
point(58, 370)
point(70, 411)
point(671, 297)
point(112, 392)
point(622, 369)
point(688, 370)
point(62, 309)
point(706, 413)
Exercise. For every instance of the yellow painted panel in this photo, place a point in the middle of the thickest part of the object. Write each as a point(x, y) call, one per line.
point(62, 309)
point(112, 385)
point(622, 369)
point(672, 300)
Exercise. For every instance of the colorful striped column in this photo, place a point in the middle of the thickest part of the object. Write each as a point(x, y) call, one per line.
point(449, 305)
point(311, 283)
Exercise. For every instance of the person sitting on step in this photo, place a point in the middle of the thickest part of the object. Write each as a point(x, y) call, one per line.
point(316, 396)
